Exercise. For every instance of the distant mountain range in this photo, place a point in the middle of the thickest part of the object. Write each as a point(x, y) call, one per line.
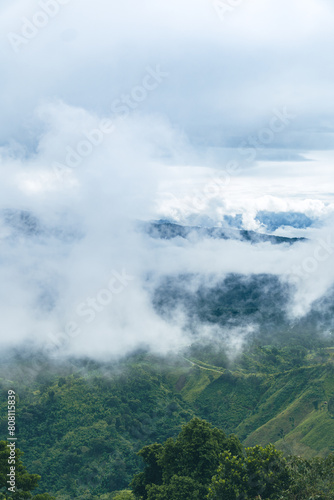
point(24, 223)
point(168, 230)
point(232, 301)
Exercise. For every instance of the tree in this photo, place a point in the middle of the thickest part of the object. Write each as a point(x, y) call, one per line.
point(260, 472)
point(152, 473)
point(24, 482)
point(184, 466)
point(195, 452)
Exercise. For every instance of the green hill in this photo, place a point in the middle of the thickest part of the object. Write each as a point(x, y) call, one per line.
point(81, 424)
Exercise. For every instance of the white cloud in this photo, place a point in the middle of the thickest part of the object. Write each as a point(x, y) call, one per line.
point(224, 82)
point(224, 77)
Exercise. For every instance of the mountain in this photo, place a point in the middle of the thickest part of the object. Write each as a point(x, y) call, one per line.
point(81, 422)
point(260, 301)
point(168, 230)
point(24, 223)
point(258, 374)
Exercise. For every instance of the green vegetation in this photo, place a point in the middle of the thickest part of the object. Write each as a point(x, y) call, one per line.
point(81, 431)
point(196, 450)
point(23, 483)
point(311, 478)
point(182, 468)
point(82, 424)
point(123, 495)
point(202, 463)
point(260, 471)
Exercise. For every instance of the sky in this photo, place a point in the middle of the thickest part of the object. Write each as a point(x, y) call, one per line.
point(191, 111)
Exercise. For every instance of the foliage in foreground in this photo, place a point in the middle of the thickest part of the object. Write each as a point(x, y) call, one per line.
point(202, 463)
point(260, 471)
point(183, 468)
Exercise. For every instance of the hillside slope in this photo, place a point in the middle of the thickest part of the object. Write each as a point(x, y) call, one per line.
point(80, 427)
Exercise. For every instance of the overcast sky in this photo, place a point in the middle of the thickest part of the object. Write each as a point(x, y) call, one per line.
point(213, 110)
point(229, 70)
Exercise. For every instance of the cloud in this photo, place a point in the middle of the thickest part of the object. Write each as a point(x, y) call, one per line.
point(113, 113)
point(225, 78)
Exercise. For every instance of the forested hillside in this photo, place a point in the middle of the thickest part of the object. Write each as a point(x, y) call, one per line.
point(81, 424)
